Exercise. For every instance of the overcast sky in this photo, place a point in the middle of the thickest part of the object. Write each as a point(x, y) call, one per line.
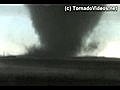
point(16, 30)
point(106, 34)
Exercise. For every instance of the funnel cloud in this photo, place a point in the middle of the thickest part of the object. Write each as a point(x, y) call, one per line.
point(61, 32)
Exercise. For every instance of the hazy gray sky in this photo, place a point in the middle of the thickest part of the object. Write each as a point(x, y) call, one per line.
point(106, 34)
point(16, 30)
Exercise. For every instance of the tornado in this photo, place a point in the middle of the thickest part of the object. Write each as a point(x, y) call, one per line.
point(61, 32)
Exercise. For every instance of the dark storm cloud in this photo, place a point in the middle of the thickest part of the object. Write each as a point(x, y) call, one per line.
point(61, 31)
